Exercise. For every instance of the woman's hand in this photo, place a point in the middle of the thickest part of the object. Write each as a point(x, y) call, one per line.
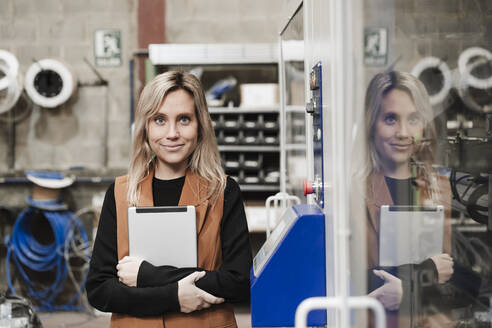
point(444, 265)
point(192, 298)
point(128, 270)
point(390, 293)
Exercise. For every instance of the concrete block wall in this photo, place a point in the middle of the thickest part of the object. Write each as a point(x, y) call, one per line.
point(74, 134)
point(420, 28)
point(223, 21)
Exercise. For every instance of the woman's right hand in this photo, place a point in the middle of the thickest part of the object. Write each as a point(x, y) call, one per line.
point(444, 265)
point(192, 298)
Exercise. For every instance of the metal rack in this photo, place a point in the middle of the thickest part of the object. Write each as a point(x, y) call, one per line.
point(249, 144)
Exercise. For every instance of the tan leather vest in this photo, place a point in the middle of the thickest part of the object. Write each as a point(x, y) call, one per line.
point(208, 219)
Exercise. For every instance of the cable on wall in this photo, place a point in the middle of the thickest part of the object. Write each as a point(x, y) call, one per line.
point(26, 252)
point(50, 83)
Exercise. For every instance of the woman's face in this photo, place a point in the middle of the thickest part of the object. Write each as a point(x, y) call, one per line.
point(398, 127)
point(173, 133)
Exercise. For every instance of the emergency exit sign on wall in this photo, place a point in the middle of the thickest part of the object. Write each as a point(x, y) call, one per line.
point(107, 47)
point(375, 46)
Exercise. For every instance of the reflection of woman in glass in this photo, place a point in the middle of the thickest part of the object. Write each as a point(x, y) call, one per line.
point(401, 139)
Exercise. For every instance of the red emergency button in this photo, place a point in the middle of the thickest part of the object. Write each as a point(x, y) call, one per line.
point(307, 187)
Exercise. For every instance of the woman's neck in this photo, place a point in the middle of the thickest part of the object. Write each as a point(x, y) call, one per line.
point(168, 172)
point(398, 171)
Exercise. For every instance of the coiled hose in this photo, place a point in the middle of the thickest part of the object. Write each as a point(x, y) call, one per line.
point(27, 252)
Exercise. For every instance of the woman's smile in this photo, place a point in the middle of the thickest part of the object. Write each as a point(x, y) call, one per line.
point(172, 147)
point(402, 147)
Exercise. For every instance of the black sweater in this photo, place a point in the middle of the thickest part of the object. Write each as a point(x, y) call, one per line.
point(157, 288)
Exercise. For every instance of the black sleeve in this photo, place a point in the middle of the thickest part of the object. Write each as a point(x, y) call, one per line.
point(459, 291)
point(105, 292)
point(426, 271)
point(150, 275)
point(231, 281)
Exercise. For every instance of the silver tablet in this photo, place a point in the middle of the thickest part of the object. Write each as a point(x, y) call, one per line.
point(163, 235)
point(410, 234)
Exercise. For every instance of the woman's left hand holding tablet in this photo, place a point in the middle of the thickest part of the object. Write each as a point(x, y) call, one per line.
point(128, 270)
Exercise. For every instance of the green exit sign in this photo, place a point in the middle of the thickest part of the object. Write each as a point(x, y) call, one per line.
point(107, 47)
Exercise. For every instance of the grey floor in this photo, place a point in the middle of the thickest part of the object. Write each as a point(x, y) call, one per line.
point(85, 320)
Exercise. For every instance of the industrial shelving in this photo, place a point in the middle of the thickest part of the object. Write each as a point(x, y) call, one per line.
point(249, 145)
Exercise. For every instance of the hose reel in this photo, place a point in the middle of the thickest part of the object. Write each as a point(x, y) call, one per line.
point(10, 81)
point(433, 69)
point(50, 83)
point(473, 89)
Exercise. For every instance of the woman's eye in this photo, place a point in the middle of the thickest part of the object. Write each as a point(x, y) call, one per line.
point(185, 120)
point(159, 120)
point(414, 119)
point(390, 119)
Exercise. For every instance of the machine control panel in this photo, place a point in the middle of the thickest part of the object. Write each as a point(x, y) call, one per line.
point(271, 243)
point(290, 267)
point(314, 81)
point(315, 108)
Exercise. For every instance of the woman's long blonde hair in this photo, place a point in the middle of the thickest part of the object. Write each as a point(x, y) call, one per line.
point(380, 85)
point(205, 159)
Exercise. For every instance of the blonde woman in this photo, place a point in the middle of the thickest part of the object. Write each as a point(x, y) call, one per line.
point(175, 161)
point(401, 141)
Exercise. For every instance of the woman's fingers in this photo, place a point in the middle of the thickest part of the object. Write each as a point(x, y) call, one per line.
point(209, 298)
point(199, 275)
point(375, 293)
point(390, 293)
point(193, 277)
point(443, 256)
point(387, 277)
point(125, 260)
point(444, 265)
point(447, 257)
point(192, 298)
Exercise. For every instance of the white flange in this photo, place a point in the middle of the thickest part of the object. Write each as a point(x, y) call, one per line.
point(465, 69)
point(436, 63)
point(67, 79)
point(13, 90)
point(12, 65)
point(462, 87)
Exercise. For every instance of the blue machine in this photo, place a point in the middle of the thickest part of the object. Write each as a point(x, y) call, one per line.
point(289, 268)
